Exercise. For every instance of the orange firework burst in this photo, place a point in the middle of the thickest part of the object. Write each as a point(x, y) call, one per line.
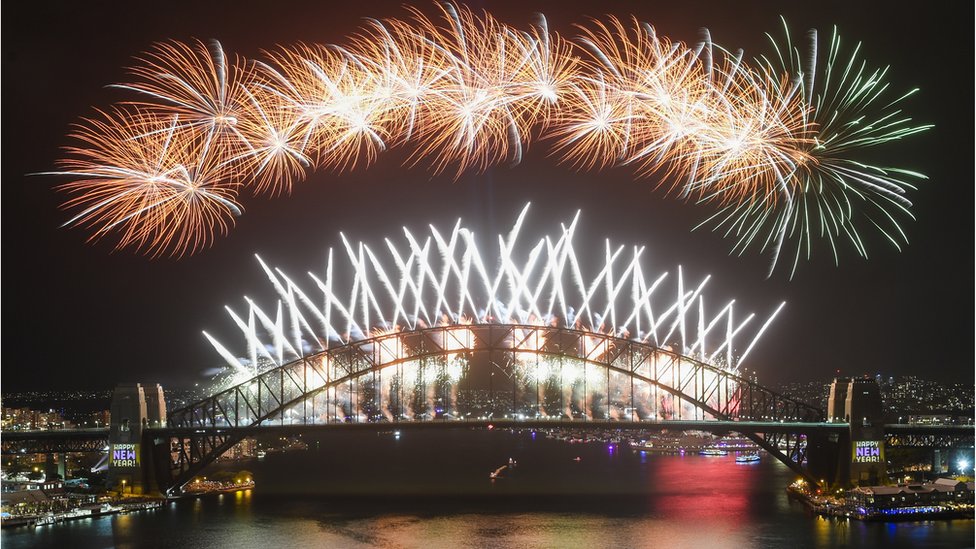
point(468, 92)
point(595, 132)
point(471, 123)
point(273, 153)
point(752, 143)
point(408, 72)
point(149, 182)
point(334, 102)
point(663, 89)
point(198, 83)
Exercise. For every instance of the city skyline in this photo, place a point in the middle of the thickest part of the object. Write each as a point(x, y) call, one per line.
point(129, 318)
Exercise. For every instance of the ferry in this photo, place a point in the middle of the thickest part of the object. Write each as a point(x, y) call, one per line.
point(749, 458)
point(713, 452)
point(104, 509)
point(76, 513)
point(44, 520)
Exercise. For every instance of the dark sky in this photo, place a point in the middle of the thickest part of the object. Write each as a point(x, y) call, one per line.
point(77, 315)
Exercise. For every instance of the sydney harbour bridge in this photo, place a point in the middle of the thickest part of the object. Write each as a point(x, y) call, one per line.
point(441, 336)
point(537, 376)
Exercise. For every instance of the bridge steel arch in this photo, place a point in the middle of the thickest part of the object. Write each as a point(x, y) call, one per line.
point(294, 394)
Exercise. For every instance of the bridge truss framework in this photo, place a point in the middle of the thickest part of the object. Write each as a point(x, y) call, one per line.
point(599, 377)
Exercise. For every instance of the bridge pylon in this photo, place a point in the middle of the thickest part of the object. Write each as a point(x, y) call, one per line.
point(134, 408)
point(858, 454)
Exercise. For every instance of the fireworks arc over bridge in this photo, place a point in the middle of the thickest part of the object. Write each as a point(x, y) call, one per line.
point(445, 279)
point(771, 144)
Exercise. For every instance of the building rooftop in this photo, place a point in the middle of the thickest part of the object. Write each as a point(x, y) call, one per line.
point(940, 485)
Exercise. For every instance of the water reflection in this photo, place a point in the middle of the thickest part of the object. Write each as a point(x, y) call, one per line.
point(430, 490)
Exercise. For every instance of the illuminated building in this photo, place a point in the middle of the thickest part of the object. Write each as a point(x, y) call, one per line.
point(943, 495)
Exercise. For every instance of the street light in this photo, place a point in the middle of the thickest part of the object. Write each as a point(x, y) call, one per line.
point(123, 486)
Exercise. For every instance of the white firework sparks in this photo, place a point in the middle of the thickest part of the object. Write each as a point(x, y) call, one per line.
point(445, 279)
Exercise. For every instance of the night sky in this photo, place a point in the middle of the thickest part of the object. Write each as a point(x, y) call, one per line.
point(82, 316)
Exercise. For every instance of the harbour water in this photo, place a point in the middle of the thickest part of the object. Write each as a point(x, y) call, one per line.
point(432, 489)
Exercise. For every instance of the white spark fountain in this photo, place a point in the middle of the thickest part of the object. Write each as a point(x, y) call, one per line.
point(443, 279)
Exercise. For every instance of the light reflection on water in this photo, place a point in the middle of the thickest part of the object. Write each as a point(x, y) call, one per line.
point(432, 490)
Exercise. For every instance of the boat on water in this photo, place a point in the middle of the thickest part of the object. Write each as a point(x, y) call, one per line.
point(45, 519)
point(76, 513)
point(713, 452)
point(748, 458)
point(497, 473)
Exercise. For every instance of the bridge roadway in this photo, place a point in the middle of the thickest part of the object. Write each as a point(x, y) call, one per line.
point(78, 434)
point(717, 427)
point(88, 439)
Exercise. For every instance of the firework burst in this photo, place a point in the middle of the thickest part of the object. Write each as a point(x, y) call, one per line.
point(197, 83)
point(773, 144)
point(830, 194)
point(149, 182)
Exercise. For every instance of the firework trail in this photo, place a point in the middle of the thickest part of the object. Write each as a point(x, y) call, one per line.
point(771, 143)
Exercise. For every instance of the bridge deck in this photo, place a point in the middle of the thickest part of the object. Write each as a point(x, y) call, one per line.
point(90, 440)
point(676, 425)
point(66, 434)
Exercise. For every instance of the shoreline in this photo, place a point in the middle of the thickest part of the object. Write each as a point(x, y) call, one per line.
point(840, 511)
point(221, 490)
point(90, 512)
